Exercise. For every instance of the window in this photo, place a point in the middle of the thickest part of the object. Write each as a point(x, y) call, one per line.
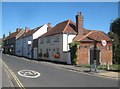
point(48, 39)
point(57, 50)
point(41, 41)
point(56, 39)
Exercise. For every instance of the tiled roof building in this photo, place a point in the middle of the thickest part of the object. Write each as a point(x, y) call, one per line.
point(87, 39)
point(9, 41)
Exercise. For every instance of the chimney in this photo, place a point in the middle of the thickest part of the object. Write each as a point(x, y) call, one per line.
point(9, 32)
point(79, 24)
point(26, 29)
point(4, 37)
point(49, 26)
point(18, 29)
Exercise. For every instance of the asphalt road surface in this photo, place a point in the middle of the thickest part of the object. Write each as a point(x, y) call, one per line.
point(51, 76)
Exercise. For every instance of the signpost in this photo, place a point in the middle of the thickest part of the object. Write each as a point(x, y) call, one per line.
point(104, 43)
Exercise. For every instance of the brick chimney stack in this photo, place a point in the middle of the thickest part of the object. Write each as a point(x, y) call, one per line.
point(18, 29)
point(49, 26)
point(9, 33)
point(4, 37)
point(79, 23)
point(26, 29)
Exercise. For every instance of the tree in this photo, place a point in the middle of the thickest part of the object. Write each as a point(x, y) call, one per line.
point(115, 35)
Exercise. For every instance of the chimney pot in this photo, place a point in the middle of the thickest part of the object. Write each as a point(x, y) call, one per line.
point(4, 37)
point(9, 32)
point(49, 26)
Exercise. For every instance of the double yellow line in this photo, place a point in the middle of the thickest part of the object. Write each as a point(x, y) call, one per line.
point(14, 76)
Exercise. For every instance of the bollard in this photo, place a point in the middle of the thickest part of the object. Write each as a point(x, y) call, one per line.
point(108, 67)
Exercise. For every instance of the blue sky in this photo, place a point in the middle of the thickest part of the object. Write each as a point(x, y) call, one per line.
point(97, 15)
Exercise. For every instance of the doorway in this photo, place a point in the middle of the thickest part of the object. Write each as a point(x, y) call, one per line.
point(94, 54)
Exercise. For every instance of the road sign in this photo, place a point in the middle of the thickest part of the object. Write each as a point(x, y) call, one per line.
point(104, 42)
point(29, 42)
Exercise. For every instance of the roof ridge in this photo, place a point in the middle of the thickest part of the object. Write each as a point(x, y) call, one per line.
point(66, 25)
point(87, 35)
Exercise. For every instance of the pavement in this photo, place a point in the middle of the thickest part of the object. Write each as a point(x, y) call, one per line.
point(100, 73)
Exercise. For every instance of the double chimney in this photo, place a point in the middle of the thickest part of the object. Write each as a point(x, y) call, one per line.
point(79, 24)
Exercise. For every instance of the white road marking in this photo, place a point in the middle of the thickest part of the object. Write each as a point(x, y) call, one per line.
point(29, 73)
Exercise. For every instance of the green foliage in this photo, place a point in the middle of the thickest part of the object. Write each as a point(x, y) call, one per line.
point(113, 67)
point(115, 35)
point(115, 26)
point(74, 51)
point(73, 44)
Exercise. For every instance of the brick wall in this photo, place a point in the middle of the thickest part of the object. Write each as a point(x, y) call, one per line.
point(84, 53)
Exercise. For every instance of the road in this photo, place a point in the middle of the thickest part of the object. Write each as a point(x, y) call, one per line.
point(52, 76)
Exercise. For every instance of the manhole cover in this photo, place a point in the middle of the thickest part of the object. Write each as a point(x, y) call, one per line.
point(29, 73)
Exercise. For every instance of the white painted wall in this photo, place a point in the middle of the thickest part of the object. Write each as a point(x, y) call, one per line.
point(67, 38)
point(27, 49)
point(18, 44)
point(39, 32)
point(22, 44)
point(51, 46)
point(63, 46)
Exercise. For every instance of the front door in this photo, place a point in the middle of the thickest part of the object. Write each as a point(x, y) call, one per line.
point(35, 53)
point(92, 56)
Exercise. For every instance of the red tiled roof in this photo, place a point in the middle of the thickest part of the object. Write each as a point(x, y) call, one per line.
point(63, 27)
point(12, 35)
point(70, 27)
point(93, 35)
point(30, 32)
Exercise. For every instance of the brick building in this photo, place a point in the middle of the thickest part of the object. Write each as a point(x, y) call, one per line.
point(88, 39)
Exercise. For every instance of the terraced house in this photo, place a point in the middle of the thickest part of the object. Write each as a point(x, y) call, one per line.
point(54, 44)
point(10, 41)
point(24, 45)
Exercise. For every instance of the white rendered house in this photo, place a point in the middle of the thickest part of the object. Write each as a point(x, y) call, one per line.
point(24, 43)
point(54, 45)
